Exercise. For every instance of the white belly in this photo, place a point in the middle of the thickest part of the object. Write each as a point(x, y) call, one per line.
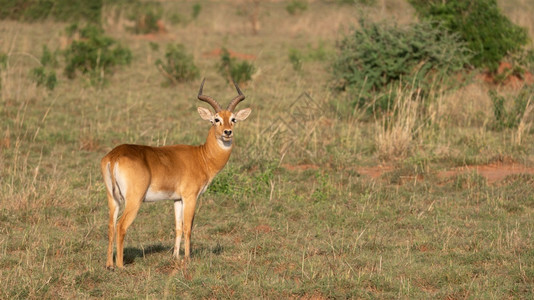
point(160, 195)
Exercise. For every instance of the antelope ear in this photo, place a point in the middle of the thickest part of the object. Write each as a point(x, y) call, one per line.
point(243, 114)
point(205, 114)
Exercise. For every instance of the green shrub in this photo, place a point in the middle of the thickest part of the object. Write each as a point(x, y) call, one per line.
point(488, 33)
point(230, 68)
point(374, 59)
point(49, 58)
point(296, 7)
point(145, 16)
point(94, 54)
point(59, 10)
point(177, 18)
point(43, 77)
point(197, 8)
point(178, 65)
point(509, 116)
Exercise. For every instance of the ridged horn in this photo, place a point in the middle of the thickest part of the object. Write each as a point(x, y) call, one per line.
point(237, 99)
point(208, 99)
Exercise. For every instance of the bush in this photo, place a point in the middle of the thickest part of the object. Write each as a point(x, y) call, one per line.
point(94, 54)
point(59, 10)
point(230, 68)
point(145, 16)
point(41, 75)
point(178, 65)
point(374, 59)
point(489, 34)
point(509, 116)
point(296, 7)
point(49, 58)
point(197, 8)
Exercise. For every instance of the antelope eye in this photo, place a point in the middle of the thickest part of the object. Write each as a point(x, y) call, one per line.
point(217, 120)
point(233, 120)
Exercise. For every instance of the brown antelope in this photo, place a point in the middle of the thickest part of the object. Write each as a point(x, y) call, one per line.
point(135, 173)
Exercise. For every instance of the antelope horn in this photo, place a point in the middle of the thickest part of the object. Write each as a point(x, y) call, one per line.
point(237, 99)
point(208, 99)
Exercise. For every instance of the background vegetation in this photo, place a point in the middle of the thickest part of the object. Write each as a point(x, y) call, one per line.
point(324, 196)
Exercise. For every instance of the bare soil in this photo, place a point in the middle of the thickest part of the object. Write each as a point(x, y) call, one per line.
point(493, 172)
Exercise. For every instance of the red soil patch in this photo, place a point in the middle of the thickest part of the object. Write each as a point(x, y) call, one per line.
point(217, 52)
point(302, 167)
point(493, 173)
point(375, 172)
point(161, 33)
point(263, 229)
point(506, 77)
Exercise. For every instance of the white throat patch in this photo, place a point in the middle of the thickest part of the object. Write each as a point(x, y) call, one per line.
point(224, 145)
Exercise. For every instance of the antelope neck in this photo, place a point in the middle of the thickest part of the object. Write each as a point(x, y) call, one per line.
point(213, 153)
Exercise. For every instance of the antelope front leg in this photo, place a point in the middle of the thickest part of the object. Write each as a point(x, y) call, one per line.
point(179, 218)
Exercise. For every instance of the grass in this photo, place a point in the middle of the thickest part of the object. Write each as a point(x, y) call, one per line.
point(264, 229)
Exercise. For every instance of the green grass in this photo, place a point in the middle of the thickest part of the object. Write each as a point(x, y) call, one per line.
point(263, 230)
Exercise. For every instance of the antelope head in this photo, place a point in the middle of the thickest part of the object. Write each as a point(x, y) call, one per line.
point(223, 120)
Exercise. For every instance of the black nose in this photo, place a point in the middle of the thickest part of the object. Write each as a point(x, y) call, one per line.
point(228, 132)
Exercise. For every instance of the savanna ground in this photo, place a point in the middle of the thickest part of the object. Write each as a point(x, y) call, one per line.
point(311, 204)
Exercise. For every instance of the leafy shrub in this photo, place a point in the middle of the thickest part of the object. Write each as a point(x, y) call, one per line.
point(230, 68)
point(59, 10)
point(178, 18)
point(489, 34)
point(49, 58)
point(145, 16)
point(375, 58)
point(296, 7)
point(42, 75)
point(94, 54)
point(178, 65)
point(197, 8)
point(506, 116)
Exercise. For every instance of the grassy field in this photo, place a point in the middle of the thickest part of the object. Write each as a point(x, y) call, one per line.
point(294, 214)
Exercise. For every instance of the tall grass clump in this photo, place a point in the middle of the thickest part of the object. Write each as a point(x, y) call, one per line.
point(510, 112)
point(378, 56)
point(94, 53)
point(489, 34)
point(178, 65)
point(3, 67)
point(398, 125)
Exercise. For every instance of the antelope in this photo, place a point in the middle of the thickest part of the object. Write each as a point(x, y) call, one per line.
point(136, 173)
